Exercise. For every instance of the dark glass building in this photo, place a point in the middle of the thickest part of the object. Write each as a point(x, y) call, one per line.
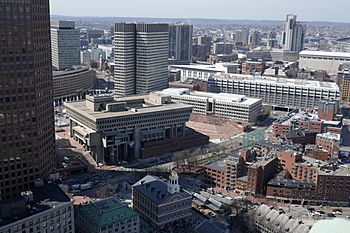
point(26, 106)
point(180, 43)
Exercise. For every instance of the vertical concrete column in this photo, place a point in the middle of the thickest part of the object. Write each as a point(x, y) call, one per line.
point(137, 141)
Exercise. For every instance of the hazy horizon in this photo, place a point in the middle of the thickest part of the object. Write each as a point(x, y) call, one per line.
point(311, 10)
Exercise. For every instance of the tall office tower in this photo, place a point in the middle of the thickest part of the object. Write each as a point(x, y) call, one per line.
point(180, 42)
point(141, 58)
point(242, 36)
point(254, 38)
point(27, 136)
point(272, 40)
point(65, 44)
point(294, 34)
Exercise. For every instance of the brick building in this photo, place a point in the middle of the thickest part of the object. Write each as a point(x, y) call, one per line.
point(222, 174)
point(316, 152)
point(328, 109)
point(297, 121)
point(160, 202)
point(215, 174)
point(253, 67)
point(312, 181)
point(329, 142)
point(258, 175)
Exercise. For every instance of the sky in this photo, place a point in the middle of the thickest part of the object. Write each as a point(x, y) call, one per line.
point(307, 10)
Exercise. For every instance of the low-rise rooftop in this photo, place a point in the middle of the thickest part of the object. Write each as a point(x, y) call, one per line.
point(106, 212)
point(43, 198)
point(279, 81)
point(223, 97)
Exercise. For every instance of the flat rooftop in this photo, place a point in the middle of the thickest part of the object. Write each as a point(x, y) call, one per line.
point(218, 165)
point(326, 167)
point(299, 116)
point(298, 83)
point(81, 108)
point(106, 212)
point(45, 198)
point(324, 54)
point(208, 68)
point(330, 136)
point(75, 70)
point(224, 97)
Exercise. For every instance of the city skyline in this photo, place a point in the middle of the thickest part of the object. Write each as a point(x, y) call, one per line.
point(260, 10)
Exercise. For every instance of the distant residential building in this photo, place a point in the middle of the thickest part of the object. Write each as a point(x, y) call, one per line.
point(328, 109)
point(345, 141)
point(160, 202)
point(294, 34)
point(107, 215)
point(180, 43)
point(282, 92)
point(204, 72)
point(272, 41)
point(223, 48)
point(204, 40)
point(141, 58)
point(242, 36)
point(254, 38)
point(253, 67)
point(65, 44)
point(108, 51)
point(94, 34)
point(235, 107)
point(344, 83)
point(329, 142)
point(97, 54)
point(44, 209)
point(85, 57)
point(223, 58)
point(123, 129)
point(321, 60)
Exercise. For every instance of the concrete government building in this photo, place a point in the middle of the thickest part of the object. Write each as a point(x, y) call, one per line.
point(235, 107)
point(131, 127)
point(276, 92)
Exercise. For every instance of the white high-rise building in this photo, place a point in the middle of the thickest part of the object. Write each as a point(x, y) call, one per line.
point(294, 34)
point(65, 44)
point(141, 58)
